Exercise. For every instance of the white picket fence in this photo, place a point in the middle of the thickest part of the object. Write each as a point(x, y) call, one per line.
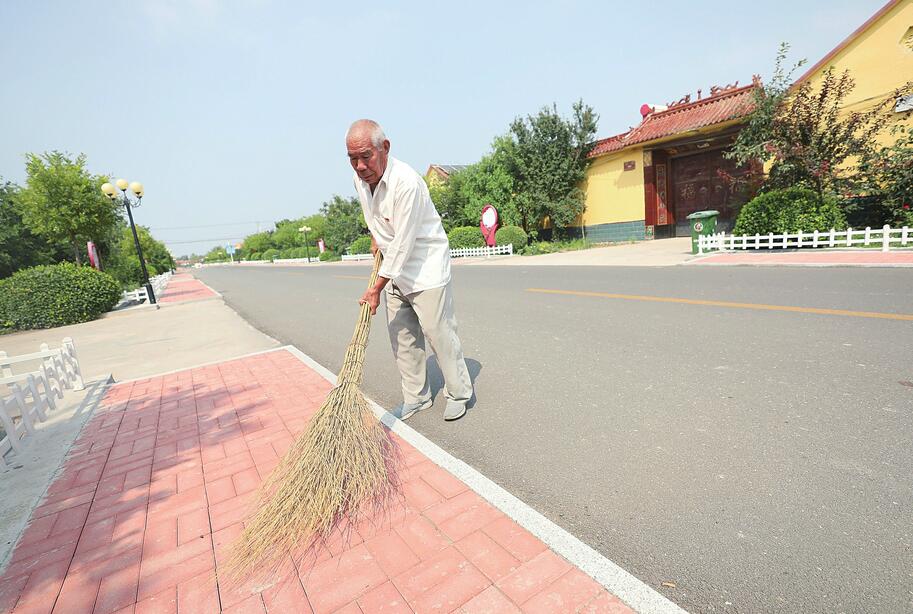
point(885, 237)
point(159, 282)
point(28, 397)
point(497, 250)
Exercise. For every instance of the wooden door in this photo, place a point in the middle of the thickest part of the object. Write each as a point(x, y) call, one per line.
point(698, 185)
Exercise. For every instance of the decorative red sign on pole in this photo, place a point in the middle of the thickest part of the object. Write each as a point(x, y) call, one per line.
point(489, 224)
point(93, 255)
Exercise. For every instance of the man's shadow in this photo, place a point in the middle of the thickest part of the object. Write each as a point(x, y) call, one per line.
point(436, 378)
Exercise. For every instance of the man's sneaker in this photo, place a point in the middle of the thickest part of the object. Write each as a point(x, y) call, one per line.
point(455, 410)
point(405, 410)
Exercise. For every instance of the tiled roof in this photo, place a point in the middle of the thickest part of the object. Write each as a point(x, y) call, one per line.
point(450, 169)
point(681, 118)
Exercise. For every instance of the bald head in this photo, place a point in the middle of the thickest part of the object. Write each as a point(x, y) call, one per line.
point(368, 148)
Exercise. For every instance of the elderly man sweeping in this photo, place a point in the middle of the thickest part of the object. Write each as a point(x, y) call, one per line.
point(415, 275)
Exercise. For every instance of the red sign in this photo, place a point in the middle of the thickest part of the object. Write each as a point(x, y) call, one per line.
point(93, 255)
point(489, 224)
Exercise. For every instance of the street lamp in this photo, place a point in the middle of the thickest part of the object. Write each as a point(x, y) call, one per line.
point(123, 200)
point(307, 247)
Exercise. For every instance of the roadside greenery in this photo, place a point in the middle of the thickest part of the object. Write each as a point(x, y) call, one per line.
point(789, 210)
point(533, 173)
point(55, 295)
point(809, 142)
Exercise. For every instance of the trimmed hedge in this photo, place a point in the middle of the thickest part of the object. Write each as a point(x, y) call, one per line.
point(329, 256)
point(463, 237)
point(55, 295)
point(511, 235)
point(789, 210)
point(270, 254)
point(361, 245)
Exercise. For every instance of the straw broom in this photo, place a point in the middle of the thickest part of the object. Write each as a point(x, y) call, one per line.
point(338, 469)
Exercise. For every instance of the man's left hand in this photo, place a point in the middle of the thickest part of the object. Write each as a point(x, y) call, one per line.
point(372, 298)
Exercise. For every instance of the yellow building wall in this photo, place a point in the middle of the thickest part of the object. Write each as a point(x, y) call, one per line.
point(612, 193)
point(880, 59)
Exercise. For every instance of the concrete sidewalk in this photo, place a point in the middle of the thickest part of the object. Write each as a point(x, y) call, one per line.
point(139, 342)
point(849, 257)
point(159, 482)
point(660, 252)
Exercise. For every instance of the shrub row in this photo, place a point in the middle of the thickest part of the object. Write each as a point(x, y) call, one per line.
point(55, 295)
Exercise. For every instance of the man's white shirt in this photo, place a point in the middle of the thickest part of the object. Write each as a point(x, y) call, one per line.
point(407, 229)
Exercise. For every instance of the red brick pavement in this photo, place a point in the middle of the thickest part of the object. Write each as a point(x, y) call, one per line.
point(184, 287)
point(158, 484)
point(871, 258)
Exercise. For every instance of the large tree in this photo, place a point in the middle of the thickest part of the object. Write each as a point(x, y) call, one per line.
point(548, 159)
point(344, 222)
point(19, 247)
point(806, 134)
point(62, 201)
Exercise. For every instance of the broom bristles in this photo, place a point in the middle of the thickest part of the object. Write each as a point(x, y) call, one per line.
point(340, 467)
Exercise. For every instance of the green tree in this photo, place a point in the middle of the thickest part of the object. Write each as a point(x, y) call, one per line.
point(258, 242)
point(548, 159)
point(807, 136)
point(19, 248)
point(888, 173)
point(123, 263)
point(287, 235)
point(217, 254)
point(344, 222)
point(62, 201)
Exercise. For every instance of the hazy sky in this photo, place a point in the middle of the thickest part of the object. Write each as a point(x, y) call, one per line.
point(235, 112)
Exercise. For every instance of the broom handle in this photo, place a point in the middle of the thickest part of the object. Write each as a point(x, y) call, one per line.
point(355, 354)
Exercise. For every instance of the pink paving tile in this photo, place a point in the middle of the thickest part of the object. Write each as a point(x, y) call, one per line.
point(287, 595)
point(198, 594)
point(422, 537)
point(252, 605)
point(533, 576)
point(490, 558)
point(443, 482)
point(605, 603)
point(419, 494)
point(490, 601)
point(565, 595)
point(338, 581)
point(391, 553)
point(165, 602)
point(441, 584)
point(514, 538)
point(384, 599)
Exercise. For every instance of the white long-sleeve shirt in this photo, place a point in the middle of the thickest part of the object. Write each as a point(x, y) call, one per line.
point(407, 229)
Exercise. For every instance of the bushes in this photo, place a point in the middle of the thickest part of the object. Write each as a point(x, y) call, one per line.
point(55, 295)
point(511, 235)
point(329, 256)
point(464, 237)
point(253, 256)
point(361, 245)
point(270, 254)
point(789, 210)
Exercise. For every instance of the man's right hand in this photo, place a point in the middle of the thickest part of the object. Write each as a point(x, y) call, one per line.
point(373, 246)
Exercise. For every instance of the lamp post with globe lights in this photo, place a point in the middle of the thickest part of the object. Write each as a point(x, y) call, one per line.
point(123, 199)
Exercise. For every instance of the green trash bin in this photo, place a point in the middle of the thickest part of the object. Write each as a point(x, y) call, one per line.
point(702, 223)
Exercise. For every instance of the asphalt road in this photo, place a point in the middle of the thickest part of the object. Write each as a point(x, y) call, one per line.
point(760, 460)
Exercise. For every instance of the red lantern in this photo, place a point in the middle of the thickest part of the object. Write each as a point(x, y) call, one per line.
point(489, 224)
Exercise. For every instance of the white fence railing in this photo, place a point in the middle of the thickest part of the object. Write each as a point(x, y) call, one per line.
point(28, 396)
point(159, 282)
point(885, 238)
point(497, 250)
